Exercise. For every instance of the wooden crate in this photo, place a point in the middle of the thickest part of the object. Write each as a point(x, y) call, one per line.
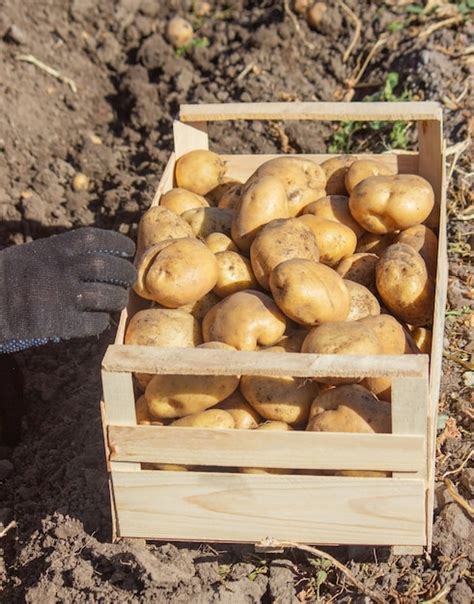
point(225, 506)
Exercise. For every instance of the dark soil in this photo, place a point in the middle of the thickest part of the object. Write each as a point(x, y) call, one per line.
point(117, 130)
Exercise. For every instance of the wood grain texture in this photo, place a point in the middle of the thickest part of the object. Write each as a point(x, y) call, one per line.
point(193, 361)
point(254, 448)
point(189, 136)
point(201, 506)
point(311, 111)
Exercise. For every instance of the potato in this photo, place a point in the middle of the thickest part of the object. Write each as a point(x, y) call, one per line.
point(234, 274)
point(246, 320)
point(262, 200)
point(422, 337)
point(424, 241)
point(269, 426)
point(204, 221)
point(218, 242)
point(336, 170)
point(179, 200)
point(336, 208)
point(335, 241)
point(179, 32)
point(309, 293)
point(201, 307)
point(375, 244)
point(143, 414)
point(304, 181)
point(159, 224)
point(384, 204)
point(176, 272)
point(349, 408)
point(393, 340)
point(287, 399)
point(281, 240)
point(215, 419)
point(245, 416)
point(404, 284)
point(216, 346)
point(166, 467)
point(363, 302)
point(170, 396)
point(214, 197)
point(359, 268)
point(200, 171)
point(230, 197)
point(361, 169)
point(162, 328)
point(292, 341)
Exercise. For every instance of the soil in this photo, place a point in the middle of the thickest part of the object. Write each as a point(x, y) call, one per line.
point(114, 124)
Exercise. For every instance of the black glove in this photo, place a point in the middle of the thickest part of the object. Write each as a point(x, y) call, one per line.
point(62, 287)
point(12, 400)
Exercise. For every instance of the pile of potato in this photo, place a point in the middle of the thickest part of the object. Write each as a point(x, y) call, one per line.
point(328, 259)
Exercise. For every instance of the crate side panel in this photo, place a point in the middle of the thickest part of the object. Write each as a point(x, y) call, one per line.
point(250, 448)
point(249, 508)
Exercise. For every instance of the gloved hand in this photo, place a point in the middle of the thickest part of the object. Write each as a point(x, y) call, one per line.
point(62, 287)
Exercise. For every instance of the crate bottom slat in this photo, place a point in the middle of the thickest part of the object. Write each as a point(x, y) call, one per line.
point(202, 506)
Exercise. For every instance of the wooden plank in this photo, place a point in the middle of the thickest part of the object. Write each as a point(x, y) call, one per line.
point(166, 181)
point(431, 162)
point(407, 550)
point(206, 506)
point(241, 167)
point(189, 136)
point(193, 361)
point(250, 448)
point(119, 401)
point(311, 111)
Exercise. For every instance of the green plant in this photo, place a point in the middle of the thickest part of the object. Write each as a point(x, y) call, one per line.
point(352, 136)
point(321, 568)
point(395, 26)
point(195, 43)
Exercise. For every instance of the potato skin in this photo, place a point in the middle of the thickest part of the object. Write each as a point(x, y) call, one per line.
point(404, 284)
point(361, 169)
point(165, 328)
point(278, 241)
point(360, 268)
point(205, 221)
point(171, 396)
point(422, 338)
point(336, 170)
point(179, 200)
point(363, 302)
point(245, 416)
point(304, 181)
point(230, 198)
point(309, 293)
point(160, 224)
point(214, 197)
point(335, 208)
point(424, 241)
point(218, 242)
point(234, 274)
point(370, 243)
point(349, 408)
point(199, 308)
point(335, 240)
point(143, 414)
point(266, 427)
point(214, 419)
point(246, 320)
point(262, 200)
point(384, 204)
point(200, 171)
point(175, 273)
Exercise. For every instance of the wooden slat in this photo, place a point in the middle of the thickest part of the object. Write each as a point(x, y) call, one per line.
point(189, 136)
point(249, 448)
point(431, 162)
point(200, 506)
point(193, 361)
point(166, 181)
point(311, 111)
point(240, 167)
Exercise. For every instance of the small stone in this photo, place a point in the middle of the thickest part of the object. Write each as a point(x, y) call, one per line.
point(16, 35)
point(315, 14)
point(94, 139)
point(80, 182)
point(301, 6)
point(6, 468)
point(179, 32)
point(202, 9)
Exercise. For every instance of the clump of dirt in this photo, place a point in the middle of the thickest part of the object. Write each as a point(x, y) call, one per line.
point(114, 124)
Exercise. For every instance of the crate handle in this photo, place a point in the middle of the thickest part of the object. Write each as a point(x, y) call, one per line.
point(407, 111)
